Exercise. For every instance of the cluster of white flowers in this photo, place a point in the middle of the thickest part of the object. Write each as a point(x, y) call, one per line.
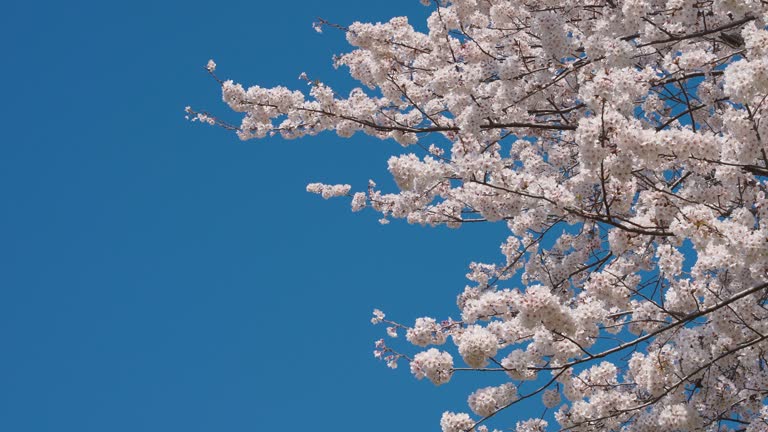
point(476, 344)
point(624, 146)
point(670, 260)
point(378, 316)
point(456, 422)
point(359, 201)
point(329, 191)
point(551, 398)
point(747, 80)
point(411, 174)
point(540, 306)
point(435, 365)
point(533, 425)
point(199, 117)
point(425, 332)
point(519, 365)
point(487, 400)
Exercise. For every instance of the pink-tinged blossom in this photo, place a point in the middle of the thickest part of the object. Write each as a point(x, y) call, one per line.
point(456, 422)
point(476, 345)
point(426, 331)
point(533, 425)
point(328, 191)
point(378, 316)
point(487, 400)
point(435, 365)
point(551, 398)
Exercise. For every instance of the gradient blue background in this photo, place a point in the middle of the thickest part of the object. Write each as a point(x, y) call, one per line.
point(159, 275)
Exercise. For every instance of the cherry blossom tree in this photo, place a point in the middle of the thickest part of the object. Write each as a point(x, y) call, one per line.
point(623, 145)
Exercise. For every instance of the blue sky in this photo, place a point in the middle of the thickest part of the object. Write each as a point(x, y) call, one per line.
point(159, 275)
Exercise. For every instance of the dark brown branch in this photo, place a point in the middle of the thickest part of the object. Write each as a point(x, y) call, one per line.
point(679, 38)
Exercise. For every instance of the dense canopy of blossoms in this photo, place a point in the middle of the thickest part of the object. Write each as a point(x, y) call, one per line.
point(623, 143)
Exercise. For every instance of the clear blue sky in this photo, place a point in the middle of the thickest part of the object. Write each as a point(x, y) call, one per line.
point(159, 275)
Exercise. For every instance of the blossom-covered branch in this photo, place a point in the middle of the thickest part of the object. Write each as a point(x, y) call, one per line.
point(623, 145)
